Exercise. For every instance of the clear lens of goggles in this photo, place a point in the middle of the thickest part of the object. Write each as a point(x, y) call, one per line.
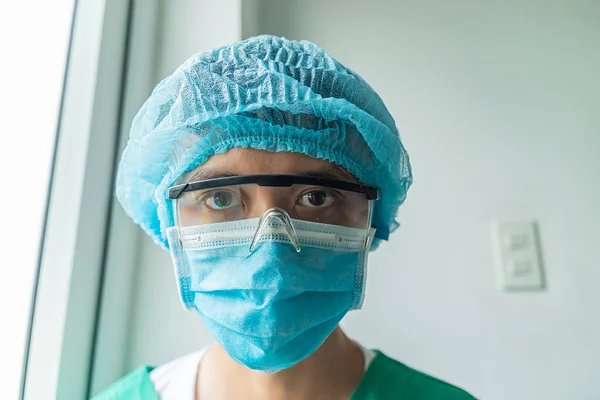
point(310, 203)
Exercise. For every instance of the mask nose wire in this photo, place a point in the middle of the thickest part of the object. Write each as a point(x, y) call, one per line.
point(282, 216)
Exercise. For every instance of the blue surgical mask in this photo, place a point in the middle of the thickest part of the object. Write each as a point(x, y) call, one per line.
point(270, 290)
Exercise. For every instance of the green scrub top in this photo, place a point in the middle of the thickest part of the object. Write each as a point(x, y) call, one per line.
point(385, 379)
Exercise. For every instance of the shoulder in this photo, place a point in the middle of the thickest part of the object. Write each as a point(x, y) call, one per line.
point(173, 380)
point(388, 378)
point(177, 379)
point(134, 386)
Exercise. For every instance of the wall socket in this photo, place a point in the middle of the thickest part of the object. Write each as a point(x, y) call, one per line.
point(517, 255)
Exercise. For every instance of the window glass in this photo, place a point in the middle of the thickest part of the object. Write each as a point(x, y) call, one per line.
point(34, 38)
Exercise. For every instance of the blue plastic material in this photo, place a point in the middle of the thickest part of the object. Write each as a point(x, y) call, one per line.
point(264, 93)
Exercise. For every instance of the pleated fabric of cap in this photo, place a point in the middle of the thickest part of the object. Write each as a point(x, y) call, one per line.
point(267, 93)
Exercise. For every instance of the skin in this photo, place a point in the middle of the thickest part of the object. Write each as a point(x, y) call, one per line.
point(331, 372)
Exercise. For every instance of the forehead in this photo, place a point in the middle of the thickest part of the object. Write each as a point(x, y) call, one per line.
point(251, 162)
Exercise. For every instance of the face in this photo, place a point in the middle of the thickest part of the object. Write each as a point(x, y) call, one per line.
point(250, 201)
point(281, 283)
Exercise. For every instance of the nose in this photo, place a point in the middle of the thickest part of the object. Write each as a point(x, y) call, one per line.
point(275, 221)
point(266, 198)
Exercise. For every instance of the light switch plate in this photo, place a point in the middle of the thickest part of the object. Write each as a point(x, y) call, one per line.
point(517, 255)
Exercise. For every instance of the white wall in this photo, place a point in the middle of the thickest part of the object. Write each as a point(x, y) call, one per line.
point(498, 105)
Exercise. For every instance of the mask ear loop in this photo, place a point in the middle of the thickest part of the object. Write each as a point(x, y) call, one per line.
point(284, 218)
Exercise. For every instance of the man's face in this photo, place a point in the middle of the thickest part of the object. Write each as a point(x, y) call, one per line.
point(249, 201)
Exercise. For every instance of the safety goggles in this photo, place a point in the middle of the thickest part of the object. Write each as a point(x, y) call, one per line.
point(299, 197)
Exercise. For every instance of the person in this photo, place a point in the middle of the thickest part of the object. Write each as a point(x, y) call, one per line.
point(269, 171)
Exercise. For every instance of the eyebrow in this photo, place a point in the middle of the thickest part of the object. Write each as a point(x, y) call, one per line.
point(334, 173)
point(209, 173)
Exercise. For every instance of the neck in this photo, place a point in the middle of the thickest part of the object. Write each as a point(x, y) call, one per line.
point(333, 371)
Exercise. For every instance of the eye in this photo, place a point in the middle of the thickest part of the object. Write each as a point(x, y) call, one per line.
point(317, 198)
point(221, 200)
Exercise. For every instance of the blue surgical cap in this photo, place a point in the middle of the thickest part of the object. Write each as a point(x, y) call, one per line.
point(265, 93)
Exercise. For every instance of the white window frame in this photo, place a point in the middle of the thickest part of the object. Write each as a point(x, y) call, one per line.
point(64, 319)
